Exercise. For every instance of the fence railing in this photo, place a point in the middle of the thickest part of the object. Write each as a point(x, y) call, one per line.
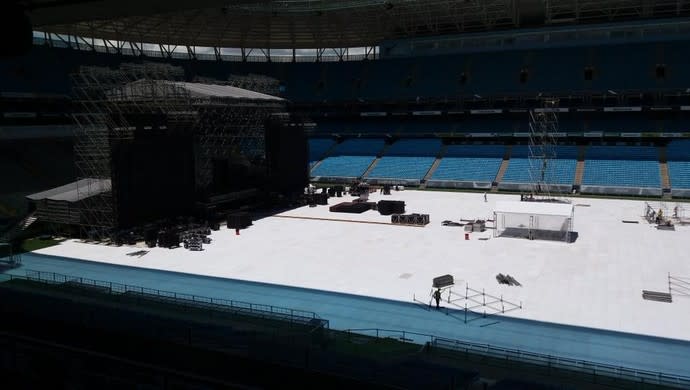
point(187, 300)
point(594, 369)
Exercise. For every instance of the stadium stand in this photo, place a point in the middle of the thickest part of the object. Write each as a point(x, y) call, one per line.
point(317, 148)
point(632, 170)
point(468, 166)
point(560, 173)
point(350, 159)
point(407, 160)
point(520, 71)
point(616, 67)
point(678, 160)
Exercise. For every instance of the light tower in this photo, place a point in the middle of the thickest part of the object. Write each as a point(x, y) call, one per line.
point(542, 147)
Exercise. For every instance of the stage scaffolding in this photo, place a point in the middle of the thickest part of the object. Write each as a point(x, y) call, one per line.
point(113, 103)
point(255, 82)
point(542, 147)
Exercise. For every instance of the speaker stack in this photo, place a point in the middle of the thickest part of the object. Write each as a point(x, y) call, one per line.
point(317, 199)
point(321, 198)
point(388, 207)
point(151, 237)
point(168, 239)
point(410, 219)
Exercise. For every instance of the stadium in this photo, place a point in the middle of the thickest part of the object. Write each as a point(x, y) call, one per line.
point(471, 194)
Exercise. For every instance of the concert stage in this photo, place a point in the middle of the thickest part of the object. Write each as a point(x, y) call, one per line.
point(595, 282)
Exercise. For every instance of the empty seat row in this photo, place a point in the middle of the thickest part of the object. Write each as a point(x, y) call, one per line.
point(411, 159)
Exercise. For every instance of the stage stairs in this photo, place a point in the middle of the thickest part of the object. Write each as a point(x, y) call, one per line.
point(18, 228)
point(580, 167)
point(502, 169)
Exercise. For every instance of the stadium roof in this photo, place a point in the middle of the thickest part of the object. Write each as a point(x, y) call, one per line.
point(320, 23)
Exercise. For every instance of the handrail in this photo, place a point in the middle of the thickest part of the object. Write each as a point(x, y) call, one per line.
point(293, 315)
point(518, 355)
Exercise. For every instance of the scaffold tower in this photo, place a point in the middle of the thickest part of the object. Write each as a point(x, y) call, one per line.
point(105, 96)
point(542, 147)
point(114, 103)
point(255, 82)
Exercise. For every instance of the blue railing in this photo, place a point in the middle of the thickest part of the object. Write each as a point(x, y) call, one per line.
point(519, 356)
point(180, 299)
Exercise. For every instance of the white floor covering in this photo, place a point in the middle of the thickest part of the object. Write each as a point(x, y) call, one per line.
point(596, 281)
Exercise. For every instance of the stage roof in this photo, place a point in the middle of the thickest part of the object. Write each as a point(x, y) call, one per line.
point(145, 89)
point(223, 91)
point(73, 192)
point(313, 24)
point(535, 208)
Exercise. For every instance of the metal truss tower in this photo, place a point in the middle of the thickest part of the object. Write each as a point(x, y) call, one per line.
point(228, 130)
point(542, 147)
point(255, 82)
point(104, 99)
point(114, 103)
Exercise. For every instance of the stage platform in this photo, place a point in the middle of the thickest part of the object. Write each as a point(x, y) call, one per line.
point(595, 282)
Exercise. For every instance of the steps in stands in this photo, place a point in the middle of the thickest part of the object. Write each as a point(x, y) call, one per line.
point(371, 167)
point(580, 167)
point(663, 169)
point(316, 165)
point(502, 169)
point(376, 160)
point(323, 156)
point(434, 166)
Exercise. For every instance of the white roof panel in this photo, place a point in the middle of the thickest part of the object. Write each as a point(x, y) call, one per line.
point(536, 208)
point(73, 192)
point(223, 91)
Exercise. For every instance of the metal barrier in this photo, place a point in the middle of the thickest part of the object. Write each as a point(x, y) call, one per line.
point(519, 356)
point(181, 299)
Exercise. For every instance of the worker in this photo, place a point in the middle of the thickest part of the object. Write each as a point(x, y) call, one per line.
point(437, 297)
point(484, 197)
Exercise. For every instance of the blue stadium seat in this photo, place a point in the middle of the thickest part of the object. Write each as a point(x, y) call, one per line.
point(399, 167)
point(317, 148)
point(470, 163)
point(407, 159)
point(350, 158)
point(560, 170)
point(343, 166)
point(678, 160)
point(415, 147)
point(622, 166)
point(359, 147)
